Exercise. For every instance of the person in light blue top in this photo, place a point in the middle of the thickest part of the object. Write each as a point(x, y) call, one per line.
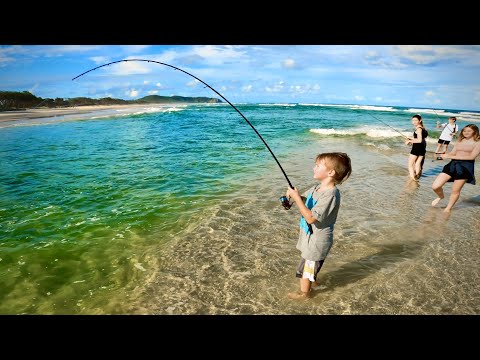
point(319, 212)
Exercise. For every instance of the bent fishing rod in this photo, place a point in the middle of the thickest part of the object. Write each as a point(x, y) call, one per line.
point(283, 199)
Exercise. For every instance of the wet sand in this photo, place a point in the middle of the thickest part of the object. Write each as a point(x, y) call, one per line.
point(30, 114)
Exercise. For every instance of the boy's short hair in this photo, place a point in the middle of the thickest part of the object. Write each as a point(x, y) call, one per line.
point(453, 118)
point(338, 161)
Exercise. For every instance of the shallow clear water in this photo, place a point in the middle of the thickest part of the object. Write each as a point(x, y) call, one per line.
point(177, 212)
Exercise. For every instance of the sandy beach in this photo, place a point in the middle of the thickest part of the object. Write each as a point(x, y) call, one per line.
point(30, 114)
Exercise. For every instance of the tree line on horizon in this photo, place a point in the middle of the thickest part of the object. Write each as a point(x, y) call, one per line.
point(23, 100)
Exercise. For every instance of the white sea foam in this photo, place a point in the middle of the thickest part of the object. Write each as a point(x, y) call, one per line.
point(358, 107)
point(461, 116)
point(428, 111)
point(279, 104)
point(469, 117)
point(370, 132)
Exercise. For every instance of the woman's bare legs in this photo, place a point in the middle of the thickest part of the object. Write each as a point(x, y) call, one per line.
point(411, 166)
point(437, 187)
point(456, 188)
point(418, 167)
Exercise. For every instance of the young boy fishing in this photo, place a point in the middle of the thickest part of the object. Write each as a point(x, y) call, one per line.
point(319, 213)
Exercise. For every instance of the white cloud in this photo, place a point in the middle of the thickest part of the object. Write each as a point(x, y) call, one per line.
point(153, 92)
point(430, 93)
point(359, 97)
point(70, 48)
point(99, 60)
point(302, 89)
point(193, 83)
point(428, 54)
point(132, 93)
point(247, 88)
point(145, 82)
point(158, 85)
point(129, 68)
point(378, 98)
point(288, 63)
point(275, 88)
point(62, 50)
point(217, 55)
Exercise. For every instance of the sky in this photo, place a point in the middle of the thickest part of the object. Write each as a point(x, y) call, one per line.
point(424, 76)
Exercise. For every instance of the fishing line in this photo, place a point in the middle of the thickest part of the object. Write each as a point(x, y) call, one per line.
point(437, 114)
point(203, 82)
point(391, 127)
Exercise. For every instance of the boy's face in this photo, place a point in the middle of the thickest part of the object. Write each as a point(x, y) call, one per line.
point(320, 170)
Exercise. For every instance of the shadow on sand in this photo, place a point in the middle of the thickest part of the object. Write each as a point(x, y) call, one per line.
point(364, 267)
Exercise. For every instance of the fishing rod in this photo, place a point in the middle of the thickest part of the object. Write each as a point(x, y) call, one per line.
point(283, 199)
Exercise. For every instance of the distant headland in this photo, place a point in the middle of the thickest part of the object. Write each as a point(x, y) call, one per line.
point(16, 100)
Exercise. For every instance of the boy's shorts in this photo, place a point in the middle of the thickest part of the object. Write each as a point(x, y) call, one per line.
point(441, 141)
point(308, 269)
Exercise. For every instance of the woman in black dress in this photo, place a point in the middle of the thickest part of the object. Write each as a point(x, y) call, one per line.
point(419, 148)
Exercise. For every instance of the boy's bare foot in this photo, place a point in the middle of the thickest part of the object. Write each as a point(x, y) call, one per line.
point(298, 295)
point(435, 202)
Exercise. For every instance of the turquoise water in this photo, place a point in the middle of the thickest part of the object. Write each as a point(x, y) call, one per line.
point(90, 210)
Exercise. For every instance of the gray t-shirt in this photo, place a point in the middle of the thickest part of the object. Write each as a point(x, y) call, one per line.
point(316, 240)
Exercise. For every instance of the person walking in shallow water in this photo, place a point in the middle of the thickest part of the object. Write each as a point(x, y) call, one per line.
point(319, 212)
point(419, 148)
point(450, 129)
point(461, 168)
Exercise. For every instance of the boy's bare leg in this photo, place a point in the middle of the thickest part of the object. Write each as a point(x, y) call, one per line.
point(305, 287)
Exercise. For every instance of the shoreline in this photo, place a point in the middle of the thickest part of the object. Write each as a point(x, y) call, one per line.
point(31, 114)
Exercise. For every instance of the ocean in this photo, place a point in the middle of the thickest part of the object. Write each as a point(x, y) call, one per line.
point(175, 210)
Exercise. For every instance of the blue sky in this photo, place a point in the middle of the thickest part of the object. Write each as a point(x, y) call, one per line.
point(439, 76)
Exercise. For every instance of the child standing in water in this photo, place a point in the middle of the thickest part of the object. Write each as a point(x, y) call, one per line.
point(419, 148)
point(461, 168)
point(319, 213)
